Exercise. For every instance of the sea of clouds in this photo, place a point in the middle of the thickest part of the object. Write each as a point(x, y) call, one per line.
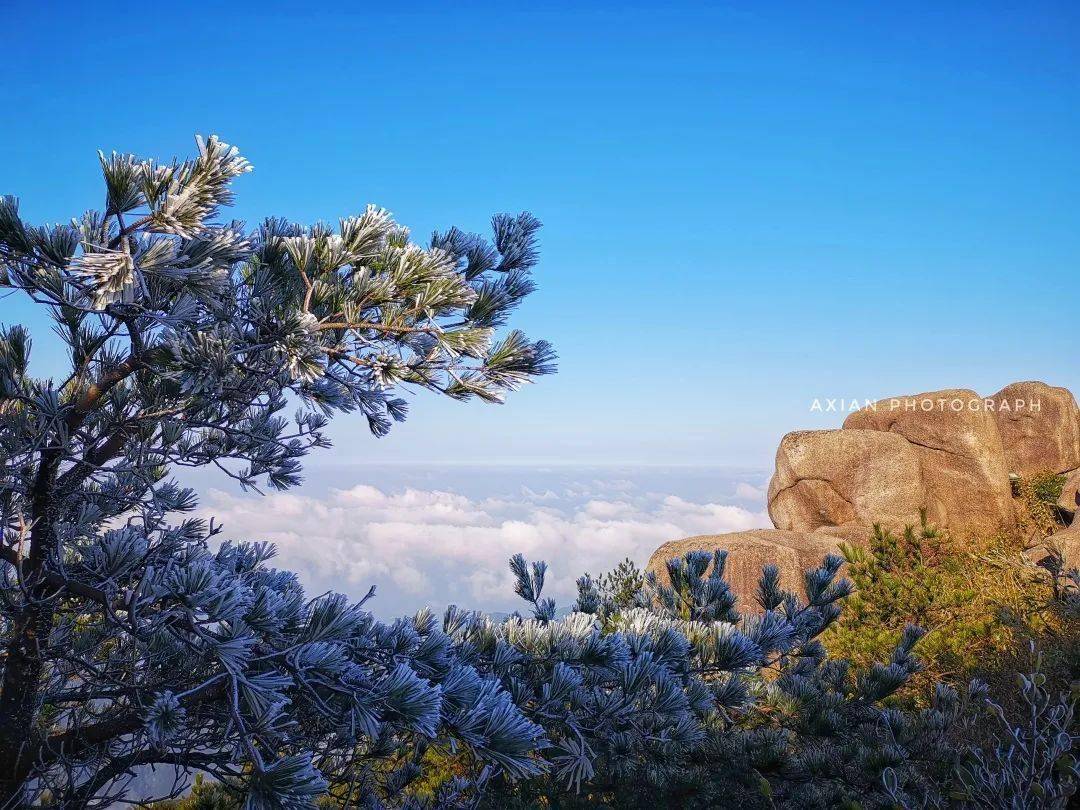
point(432, 536)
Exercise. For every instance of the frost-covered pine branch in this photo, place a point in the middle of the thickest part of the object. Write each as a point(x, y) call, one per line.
point(128, 641)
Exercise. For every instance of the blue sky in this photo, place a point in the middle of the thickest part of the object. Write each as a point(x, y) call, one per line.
point(747, 205)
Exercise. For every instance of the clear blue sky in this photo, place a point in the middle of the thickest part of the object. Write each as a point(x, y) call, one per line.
point(747, 205)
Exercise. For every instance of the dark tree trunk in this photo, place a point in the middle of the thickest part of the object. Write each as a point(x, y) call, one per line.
point(19, 702)
point(20, 691)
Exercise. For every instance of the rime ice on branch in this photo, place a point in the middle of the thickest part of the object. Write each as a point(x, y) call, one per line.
point(126, 640)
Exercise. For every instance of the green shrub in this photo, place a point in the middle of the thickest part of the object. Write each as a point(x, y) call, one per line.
point(1037, 511)
point(980, 603)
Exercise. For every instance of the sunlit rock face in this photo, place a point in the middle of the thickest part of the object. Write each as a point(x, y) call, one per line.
point(834, 478)
point(961, 456)
point(947, 453)
point(1038, 439)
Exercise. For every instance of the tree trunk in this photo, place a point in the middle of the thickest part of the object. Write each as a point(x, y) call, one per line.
point(20, 692)
point(19, 700)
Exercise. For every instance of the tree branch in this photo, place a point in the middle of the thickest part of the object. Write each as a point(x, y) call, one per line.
point(79, 740)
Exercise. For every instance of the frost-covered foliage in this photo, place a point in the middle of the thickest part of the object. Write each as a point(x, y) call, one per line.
point(1031, 761)
point(644, 708)
point(697, 705)
point(587, 704)
point(640, 708)
point(126, 639)
point(766, 719)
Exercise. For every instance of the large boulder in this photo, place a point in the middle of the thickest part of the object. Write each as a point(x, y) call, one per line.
point(1039, 426)
point(948, 452)
point(845, 480)
point(960, 454)
point(749, 552)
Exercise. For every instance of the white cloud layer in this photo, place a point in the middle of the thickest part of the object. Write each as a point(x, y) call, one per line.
point(432, 547)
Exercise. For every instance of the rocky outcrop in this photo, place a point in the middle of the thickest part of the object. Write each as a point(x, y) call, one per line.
point(961, 456)
point(1068, 543)
point(838, 478)
point(748, 552)
point(948, 452)
point(1061, 548)
point(1039, 426)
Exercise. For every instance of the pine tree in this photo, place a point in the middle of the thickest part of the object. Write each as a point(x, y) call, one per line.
point(127, 640)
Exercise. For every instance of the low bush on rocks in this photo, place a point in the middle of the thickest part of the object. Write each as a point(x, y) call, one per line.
point(981, 603)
